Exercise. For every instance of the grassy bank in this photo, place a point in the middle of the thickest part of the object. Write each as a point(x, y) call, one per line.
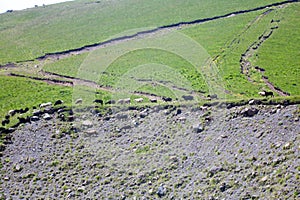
point(32, 33)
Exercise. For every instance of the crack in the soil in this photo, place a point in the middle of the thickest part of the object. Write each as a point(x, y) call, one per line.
point(91, 47)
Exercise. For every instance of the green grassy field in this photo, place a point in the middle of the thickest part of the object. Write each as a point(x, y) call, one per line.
point(279, 56)
point(32, 33)
point(225, 39)
point(17, 93)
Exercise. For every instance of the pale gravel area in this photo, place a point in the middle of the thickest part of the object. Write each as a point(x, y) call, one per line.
point(129, 154)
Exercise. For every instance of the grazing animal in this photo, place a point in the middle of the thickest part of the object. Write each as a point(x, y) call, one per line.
point(127, 101)
point(22, 111)
point(4, 122)
point(78, 101)
point(12, 112)
point(213, 96)
point(139, 100)
point(167, 99)
point(111, 102)
point(124, 101)
point(120, 101)
point(153, 100)
point(44, 105)
point(266, 93)
point(99, 101)
point(23, 120)
point(269, 93)
point(188, 97)
point(262, 94)
point(58, 102)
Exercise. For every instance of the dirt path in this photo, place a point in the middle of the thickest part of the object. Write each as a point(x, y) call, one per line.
point(92, 47)
point(57, 79)
point(53, 78)
point(246, 65)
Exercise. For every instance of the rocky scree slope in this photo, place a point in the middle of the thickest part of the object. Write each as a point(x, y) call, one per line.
point(168, 152)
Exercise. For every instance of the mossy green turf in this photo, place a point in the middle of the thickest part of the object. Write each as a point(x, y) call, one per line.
point(280, 55)
point(224, 39)
point(39, 34)
point(31, 33)
point(17, 93)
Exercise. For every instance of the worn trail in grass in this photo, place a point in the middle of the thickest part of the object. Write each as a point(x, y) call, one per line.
point(92, 47)
point(35, 32)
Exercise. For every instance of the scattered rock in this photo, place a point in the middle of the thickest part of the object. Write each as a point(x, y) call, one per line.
point(124, 101)
point(144, 113)
point(249, 112)
point(173, 159)
point(182, 119)
point(167, 112)
point(34, 118)
point(47, 117)
point(87, 124)
point(121, 116)
point(287, 145)
point(198, 128)
point(81, 189)
point(214, 170)
point(126, 127)
point(49, 110)
point(37, 112)
point(91, 132)
point(151, 191)
point(70, 118)
point(161, 191)
point(224, 136)
point(2, 147)
point(44, 105)
point(17, 168)
point(264, 179)
point(259, 134)
point(223, 187)
point(178, 111)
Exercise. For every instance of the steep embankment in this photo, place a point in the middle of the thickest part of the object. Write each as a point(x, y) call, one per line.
point(248, 152)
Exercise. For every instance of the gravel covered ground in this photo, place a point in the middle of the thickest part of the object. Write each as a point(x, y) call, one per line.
point(248, 152)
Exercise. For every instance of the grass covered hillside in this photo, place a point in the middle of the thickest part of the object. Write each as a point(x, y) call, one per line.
point(232, 49)
point(32, 33)
point(151, 99)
